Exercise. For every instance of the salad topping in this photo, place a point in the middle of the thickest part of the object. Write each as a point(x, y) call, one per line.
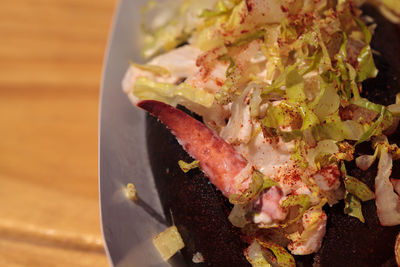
point(277, 84)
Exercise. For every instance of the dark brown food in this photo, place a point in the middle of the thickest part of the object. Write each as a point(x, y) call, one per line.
point(200, 211)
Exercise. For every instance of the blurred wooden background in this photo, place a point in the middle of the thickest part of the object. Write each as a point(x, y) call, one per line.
point(51, 54)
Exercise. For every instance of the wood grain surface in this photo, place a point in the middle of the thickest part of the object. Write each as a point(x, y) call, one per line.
point(51, 54)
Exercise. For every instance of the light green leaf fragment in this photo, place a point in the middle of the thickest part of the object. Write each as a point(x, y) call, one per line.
point(254, 255)
point(309, 118)
point(384, 120)
point(364, 29)
point(365, 103)
point(283, 257)
point(248, 38)
point(353, 206)
point(258, 183)
point(158, 70)
point(220, 9)
point(185, 167)
point(147, 89)
point(366, 65)
point(358, 188)
point(238, 216)
point(296, 200)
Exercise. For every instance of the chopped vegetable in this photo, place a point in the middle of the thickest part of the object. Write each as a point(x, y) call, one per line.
point(303, 201)
point(255, 255)
point(358, 188)
point(258, 183)
point(185, 167)
point(147, 89)
point(238, 215)
point(131, 192)
point(152, 68)
point(387, 201)
point(353, 206)
point(168, 242)
point(283, 257)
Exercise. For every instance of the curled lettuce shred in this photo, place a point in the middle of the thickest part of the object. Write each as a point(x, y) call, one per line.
point(315, 215)
point(158, 70)
point(303, 201)
point(353, 206)
point(147, 89)
point(256, 256)
point(356, 191)
point(358, 188)
point(366, 65)
point(238, 215)
point(258, 183)
point(355, 186)
point(316, 155)
point(384, 120)
point(283, 257)
point(186, 167)
point(167, 24)
point(219, 9)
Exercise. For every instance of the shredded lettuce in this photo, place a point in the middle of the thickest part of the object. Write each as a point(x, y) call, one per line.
point(146, 89)
point(248, 38)
point(384, 120)
point(358, 188)
point(315, 216)
point(353, 206)
point(185, 167)
point(366, 65)
point(158, 70)
point(303, 201)
point(355, 186)
point(258, 183)
point(316, 155)
point(255, 255)
point(283, 257)
point(238, 215)
point(167, 24)
point(220, 9)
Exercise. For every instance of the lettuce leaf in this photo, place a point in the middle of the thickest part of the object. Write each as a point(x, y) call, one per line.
point(303, 201)
point(258, 183)
point(353, 206)
point(185, 167)
point(146, 89)
point(283, 257)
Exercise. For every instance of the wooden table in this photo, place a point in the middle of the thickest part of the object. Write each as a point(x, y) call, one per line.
point(51, 54)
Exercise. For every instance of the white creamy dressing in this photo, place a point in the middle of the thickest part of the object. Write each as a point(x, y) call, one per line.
point(212, 82)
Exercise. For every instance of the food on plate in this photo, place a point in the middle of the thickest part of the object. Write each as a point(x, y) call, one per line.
point(130, 192)
point(282, 119)
point(168, 242)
